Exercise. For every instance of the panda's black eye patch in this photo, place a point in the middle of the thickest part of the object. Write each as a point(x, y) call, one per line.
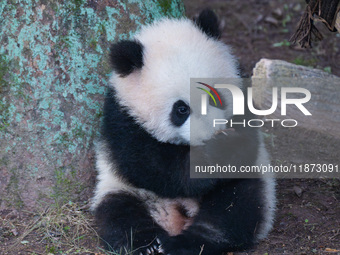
point(180, 113)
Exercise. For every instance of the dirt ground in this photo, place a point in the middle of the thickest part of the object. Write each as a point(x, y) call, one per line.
point(261, 29)
point(308, 211)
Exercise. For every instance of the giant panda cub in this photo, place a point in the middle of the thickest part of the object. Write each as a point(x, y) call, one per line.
point(145, 201)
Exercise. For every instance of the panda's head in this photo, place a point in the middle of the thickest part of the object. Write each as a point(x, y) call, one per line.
point(152, 74)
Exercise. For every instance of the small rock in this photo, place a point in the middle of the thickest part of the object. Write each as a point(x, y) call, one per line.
point(298, 191)
point(258, 18)
point(14, 231)
point(278, 13)
point(271, 20)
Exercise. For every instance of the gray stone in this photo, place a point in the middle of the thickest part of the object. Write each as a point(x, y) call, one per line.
point(324, 104)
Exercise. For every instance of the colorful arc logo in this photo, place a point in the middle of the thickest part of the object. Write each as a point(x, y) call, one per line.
point(208, 92)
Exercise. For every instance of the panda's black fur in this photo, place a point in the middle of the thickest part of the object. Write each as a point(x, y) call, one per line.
point(214, 215)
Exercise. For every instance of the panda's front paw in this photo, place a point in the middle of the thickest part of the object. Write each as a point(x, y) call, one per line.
point(156, 248)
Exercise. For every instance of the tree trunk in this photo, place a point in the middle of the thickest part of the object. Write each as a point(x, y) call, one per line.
point(53, 72)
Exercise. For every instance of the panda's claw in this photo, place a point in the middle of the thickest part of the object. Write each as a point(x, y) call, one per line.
point(156, 248)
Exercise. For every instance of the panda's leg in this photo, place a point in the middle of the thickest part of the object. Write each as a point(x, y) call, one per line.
point(230, 218)
point(125, 225)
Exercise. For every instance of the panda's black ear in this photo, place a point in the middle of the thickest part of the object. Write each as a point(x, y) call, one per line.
point(126, 56)
point(208, 22)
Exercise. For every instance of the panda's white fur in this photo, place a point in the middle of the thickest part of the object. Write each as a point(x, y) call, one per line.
point(269, 193)
point(183, 49)
point(173, 52)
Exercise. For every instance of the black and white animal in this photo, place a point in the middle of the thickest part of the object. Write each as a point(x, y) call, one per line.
point(145, 200)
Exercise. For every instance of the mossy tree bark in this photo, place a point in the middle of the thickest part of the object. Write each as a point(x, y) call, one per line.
point(53, 72)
